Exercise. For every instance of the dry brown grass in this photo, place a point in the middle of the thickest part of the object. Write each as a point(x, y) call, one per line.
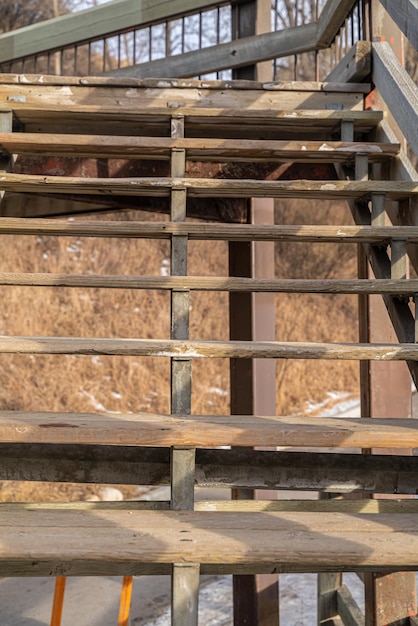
point(142, 384)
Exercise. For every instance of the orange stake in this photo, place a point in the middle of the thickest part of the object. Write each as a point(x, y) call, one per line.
point(125, 601)
point(58, 601)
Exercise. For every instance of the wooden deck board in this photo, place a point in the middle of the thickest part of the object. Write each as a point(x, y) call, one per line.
point(202, 231)
point(205, 431)
point(220, 117)
point(196, 149)
point(400, 287)
point(62, 542)
point(206, 187)
point(170, 348)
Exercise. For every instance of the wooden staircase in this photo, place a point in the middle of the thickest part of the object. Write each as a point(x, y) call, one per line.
point(220, 122)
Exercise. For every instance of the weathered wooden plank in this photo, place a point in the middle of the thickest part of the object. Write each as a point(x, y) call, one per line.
point(397, 89)
point(372, 507)
point(331, 19)
point(138, 542)
point(238, 53)
point(205, 187)
point(44, 115)
point(238, 468)
point(231, 232)
point(213, 349)
point(355, 66)
point(90, 24)
point(196, 149)
point(185, 594)
point(348, 608)
point(399, 287)
point(177, 83)
point(204, 431)
point(327, 586)
point(335, 505)
point(405, 14)
point(123, 100)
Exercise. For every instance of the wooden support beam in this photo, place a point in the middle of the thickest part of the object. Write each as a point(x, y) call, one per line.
point(348, 609)
point(238, 53)
point(90, 24)
point(397, 89)
point(185, 594)
point(239, 468)
point(405, 15)
point(355, 66)
point(328, 585)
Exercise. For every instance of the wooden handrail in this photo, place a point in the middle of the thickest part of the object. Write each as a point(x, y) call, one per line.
point(405, 15)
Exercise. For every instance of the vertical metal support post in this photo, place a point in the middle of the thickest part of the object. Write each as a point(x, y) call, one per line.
point(256, 598)
point(185, 577)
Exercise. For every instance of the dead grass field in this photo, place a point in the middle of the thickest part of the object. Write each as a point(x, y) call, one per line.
point(131, 384)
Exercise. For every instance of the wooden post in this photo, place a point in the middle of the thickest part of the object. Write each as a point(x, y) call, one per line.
point(389, 598)
point(256, 598)
point(6, 126)
point(328, 585)
point(185, 579)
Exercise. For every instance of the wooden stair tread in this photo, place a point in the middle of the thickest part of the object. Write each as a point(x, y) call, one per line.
point(205, 431)
point(206, 187)
point(334, 505)
point(202, 231)
point(196, 149)
point(62, 542)
point(197, 120)
point(399, 287)
point(208, 349)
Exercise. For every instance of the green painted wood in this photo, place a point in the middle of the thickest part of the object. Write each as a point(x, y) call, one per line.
point(91, 24)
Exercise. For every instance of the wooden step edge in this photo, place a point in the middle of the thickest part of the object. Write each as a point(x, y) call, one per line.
point(197, 149)
point(400, 287)
point(170, 348)
point(206, 187)
point(148, 430)
point(232, 232)
point(336, 505)
point(213, 115)
point(62, 542)
point(43, 80)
